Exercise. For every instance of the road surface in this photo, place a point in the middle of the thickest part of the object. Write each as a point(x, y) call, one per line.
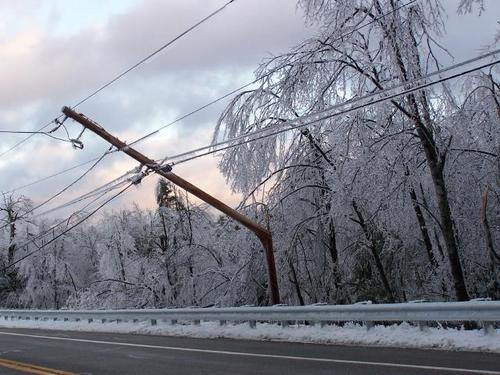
point(38, 351)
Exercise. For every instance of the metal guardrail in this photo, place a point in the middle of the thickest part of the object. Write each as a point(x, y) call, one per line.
point(484, 312)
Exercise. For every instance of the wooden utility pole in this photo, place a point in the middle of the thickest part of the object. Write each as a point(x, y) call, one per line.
point(262, 233)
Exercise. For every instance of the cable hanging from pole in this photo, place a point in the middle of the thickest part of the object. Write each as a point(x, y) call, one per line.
point(67, 187)
point(79, 222)
point(244, 139)
point(350, 103)
point(216, 100)
point(340, 109)
point(199, 109)
point(105, 188)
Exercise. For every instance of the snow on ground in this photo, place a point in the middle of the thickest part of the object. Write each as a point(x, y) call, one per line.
point(402, 335)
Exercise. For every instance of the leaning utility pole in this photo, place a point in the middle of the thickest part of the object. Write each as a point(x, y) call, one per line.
point(263, 234)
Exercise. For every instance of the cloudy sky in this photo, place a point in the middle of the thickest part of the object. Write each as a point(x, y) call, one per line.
point(55, 52)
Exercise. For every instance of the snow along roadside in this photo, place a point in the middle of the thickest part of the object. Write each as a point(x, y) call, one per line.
point(402, 336)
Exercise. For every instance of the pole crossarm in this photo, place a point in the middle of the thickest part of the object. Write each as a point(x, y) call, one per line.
point(263, 234)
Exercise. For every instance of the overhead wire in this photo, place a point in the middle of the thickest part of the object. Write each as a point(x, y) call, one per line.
point(355, 108)
point(61, 191)
point(98, 160)
point(79, 222)
point(245, 140)
point(199, 109)
point(16, 145)
point(56, 225)
point(339, 38)
point(377, 97)
point(220, 98)
point(367, 100)
point(107, 187)
point(33, 133)
point(154, 53)
point(51, 176)
point(314, 120)
point(119, 76)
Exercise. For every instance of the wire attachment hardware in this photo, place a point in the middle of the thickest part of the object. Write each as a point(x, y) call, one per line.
point(76, 143)
point(58, 123)
point(167, 168)
point(137, 179)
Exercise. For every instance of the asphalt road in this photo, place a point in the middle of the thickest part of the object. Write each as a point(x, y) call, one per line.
point(105, 353)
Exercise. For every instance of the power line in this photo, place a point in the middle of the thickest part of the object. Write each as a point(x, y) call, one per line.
point(376, 101)
point(203, 20)
point(199, 109)
point(33, 133)
point(51, 176)
point(26, 139)
point(313, 118)
point(266, 75)
point(194, 112)
point(66, 230)
point(205, 105)
point(119, 76)
point(74, 182)
point(106, 188)
point(54, 226)
point(376, 98)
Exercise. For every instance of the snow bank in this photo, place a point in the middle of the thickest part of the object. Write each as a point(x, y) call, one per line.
point(402, 335)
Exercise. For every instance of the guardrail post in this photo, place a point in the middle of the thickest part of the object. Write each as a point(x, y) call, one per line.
point(90, 320)
point(197, 322)
point(252, 323)
point(222, 323)
point(103, 321)
point(422, 326)
point(173, 322)
point(153, 322)
point(488, 328)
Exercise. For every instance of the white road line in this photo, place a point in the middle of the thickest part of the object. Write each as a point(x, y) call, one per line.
point(258, 355)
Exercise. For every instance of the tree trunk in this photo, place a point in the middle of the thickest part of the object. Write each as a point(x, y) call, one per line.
point(494, 288)
point(12, 236)
point(295, 283)
point(435, 161)
point(423, 228)
point(374, 248)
